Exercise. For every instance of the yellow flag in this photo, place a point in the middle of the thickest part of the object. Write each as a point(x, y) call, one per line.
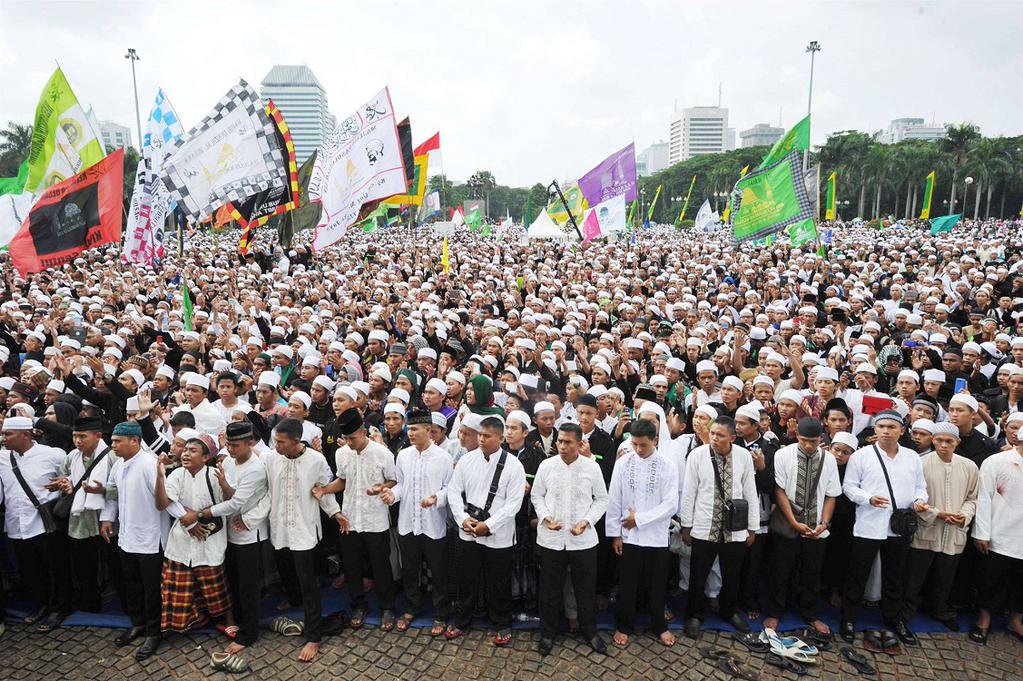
point(444, 258)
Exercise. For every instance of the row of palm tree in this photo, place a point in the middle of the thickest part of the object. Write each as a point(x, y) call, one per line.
point(873, 179)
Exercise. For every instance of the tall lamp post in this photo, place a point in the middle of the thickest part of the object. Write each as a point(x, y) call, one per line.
point(134, 57)
point(813, 48)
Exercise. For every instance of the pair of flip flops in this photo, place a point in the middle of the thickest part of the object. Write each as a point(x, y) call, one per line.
point(727, 662)
point(858, 661)
point(285, 626)
point(752, 642)
point(790, 647)
point(786, 664)
point(882, 641)
point(818, 638)
point(229, 662)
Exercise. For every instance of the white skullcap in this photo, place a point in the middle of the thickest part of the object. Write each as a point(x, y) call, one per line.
point(398, 393)
point(439, 419)
point(543, 406)
point(792, 396)
point(324, 382)
point(457, 376)
point(750, 412)
point(706, 410)
point(165, 371)
point(706, 365)
point(269, 378)
point(936, 375)
point(924, 424)
point(658, 379)
point(965, 399)
point(866, 368)
point(437, 385)
point(828, 373)
point(733, 382)
point(302, 397)
point(194, 379)
point(472, 422)
point(17, 423)
point(847, 439)
point(909, 373)
point(394, 408)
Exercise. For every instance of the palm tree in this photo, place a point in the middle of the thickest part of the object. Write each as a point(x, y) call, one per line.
point(958, 141)
point(16, 139)
point(987, 163)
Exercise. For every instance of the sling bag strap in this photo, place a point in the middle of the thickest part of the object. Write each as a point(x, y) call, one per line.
point(884, 469)
point(24, 485)
point(717, 474)
point(88, 471)
point(494, 483)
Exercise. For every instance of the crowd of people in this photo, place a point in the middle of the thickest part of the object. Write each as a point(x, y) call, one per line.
point(531, 430)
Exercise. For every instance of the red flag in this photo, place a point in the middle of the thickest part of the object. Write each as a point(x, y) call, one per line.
point(81, 212)
point(427, 146)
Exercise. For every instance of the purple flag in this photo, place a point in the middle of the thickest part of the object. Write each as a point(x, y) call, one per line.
point(613, 176)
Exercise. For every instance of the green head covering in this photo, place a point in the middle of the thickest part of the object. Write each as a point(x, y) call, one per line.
point(412, 378)
point(483, 394)
point(128, 429)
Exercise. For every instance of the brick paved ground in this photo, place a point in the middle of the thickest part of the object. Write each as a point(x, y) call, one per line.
point(86, 653)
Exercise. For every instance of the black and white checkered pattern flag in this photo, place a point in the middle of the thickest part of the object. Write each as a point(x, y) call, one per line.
point(230, 155)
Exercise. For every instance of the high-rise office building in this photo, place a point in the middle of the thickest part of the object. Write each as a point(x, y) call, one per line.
point(911, 129)
point(303, 102)
point(761, 135)
point(699, 130)
point(114, 135)
point(653, 159)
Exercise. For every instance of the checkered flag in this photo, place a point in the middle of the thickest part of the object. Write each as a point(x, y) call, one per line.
point(803, 199)
point(230, 155)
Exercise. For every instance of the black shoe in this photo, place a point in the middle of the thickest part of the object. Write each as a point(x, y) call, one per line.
point(978, 635)
point(952, 624)
point(693, 628)
point(545, 647)
point(130, 635)
point(847, 630)
point(740, 623)
point(148, 648)
point(904, 634)
point(598, 646)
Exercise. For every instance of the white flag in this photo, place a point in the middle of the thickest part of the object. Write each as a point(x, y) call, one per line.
point(611, 214)
point(150, 201)
point(360, 161)
point(457, 219)
point(14, 209)
point(704, 217)
point(230, 155)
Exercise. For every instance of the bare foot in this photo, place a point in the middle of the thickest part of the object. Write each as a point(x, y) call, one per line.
point(573, 626)
point(234, 649)
point(820, 626)
point(667, 638)
point(770, 623)
point(621, 640)
point(308, 652)
point(753, 615)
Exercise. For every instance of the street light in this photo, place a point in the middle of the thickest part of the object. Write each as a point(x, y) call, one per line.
point(813, 48)
point(134, 57)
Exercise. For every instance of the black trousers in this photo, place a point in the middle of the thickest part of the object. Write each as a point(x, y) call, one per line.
point(453, 569)
point(497, 563)
point(730, 556)
point(297, 570)
point(414, 550)
point(749, 580)
point(933, 568)
point(607, 562)
point(1003, 583)
point(85, 558)
point(142, 574)
point(356, 548)
point(640, 566)
point(43, 567)
point(893, 557)
point(795, 558)
point(244, 563)
point(553, 569)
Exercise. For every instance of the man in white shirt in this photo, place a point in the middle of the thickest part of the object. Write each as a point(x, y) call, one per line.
point(364, 468)
point(806, 487)
point(569, 496)
point(422, 473)
point(718, 473)
point(643, 498)
point(997, 535)
point(141, 536)
point(487, 527)
point(195, 388)
point(244, 510)
point(866, 485)
point(294, 475)
point(227, 389)
point(42, 557)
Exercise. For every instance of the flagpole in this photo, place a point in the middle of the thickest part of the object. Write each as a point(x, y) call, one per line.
point(564, 203)
point(813, 48)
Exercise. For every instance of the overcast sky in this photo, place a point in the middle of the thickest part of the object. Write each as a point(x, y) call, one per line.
point(534, 90)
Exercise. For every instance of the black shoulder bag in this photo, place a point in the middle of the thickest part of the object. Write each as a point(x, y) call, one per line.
point(735, 512)
point(213, 524)
point(50, 522)
point(903, 521)
point(62, 507)
point(482, 514)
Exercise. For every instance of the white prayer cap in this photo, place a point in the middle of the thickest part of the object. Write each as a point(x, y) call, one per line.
point(187, 434)
point(114, 352)
point(597, 391)
point(311, 360)
point(945, 428)
point(936, 375)
point(394, 408)
point(972, 347)
point(131, 404)
point(847, 439)
point(302, 397)
point(399, 393)
point(763, 380)
point(353, 336)
point(427, 353)
point(284, 351)
point(828, 373)
point(378, 335)
point(457, 376)
point(964, 399)
point(165, 371)
point(472, 422)
point(676, 364)
point(439, 419)
point(749, 412)
point(17, 423)
point(522, 417)
point(658, 379)
point(338, 346)
point(56, 386)
point(792, 396)
point(350, 357)
point(383, 371)
point(270, 379)
point(706, 365)
point(221, 365)
point(1014, 417)
point(66, 342)
point(866, 368)
point(777, 358)
point(324, 382)
point(925, 425)
point(706, 410)
point(362, 387)
point(633, 344)
point(938, 339)
point(543, 406)
point(193, 379)
point(733, 382)
point(437, 385)
point(528, 380)
point(6, 383)
point(909, 373)
point(348, 391)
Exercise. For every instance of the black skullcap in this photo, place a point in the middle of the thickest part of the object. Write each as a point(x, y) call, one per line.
point(420, 417)
point(238, 431)
point(350, 421)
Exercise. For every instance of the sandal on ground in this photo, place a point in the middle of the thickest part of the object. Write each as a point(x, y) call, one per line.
point(753, 642)
point(858, 661)
point(978, 635)
point(872, 641)
point(405, 621)
point(709, 653)
point(786, 664)
point(285, 626)
point(438, 628)
point(451, 633)
point(50, 622)
point(387, 620)
point(734, 667)
point(228, 662)
point(503, 638)
point(890, 642)
point(231, 631)
point(357, 619)
point(818, 638)
point(37, 615)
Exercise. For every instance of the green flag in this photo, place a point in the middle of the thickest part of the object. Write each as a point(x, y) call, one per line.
point(802, 232)
point(635, 204)
point(474, 220)
point(187, 305)
point(527, 212)
point(770, 199)
point(308, 213)
point(63, 141)
point(944, 223)
point(685, 204)
point(15, 185)
point(653, 204)
point(925, 210)
point(797, 138)
point(486, 229)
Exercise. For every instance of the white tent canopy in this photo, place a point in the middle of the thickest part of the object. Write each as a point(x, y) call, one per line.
point(545, 228)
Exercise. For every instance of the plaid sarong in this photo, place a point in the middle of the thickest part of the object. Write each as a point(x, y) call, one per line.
point(191, 595)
